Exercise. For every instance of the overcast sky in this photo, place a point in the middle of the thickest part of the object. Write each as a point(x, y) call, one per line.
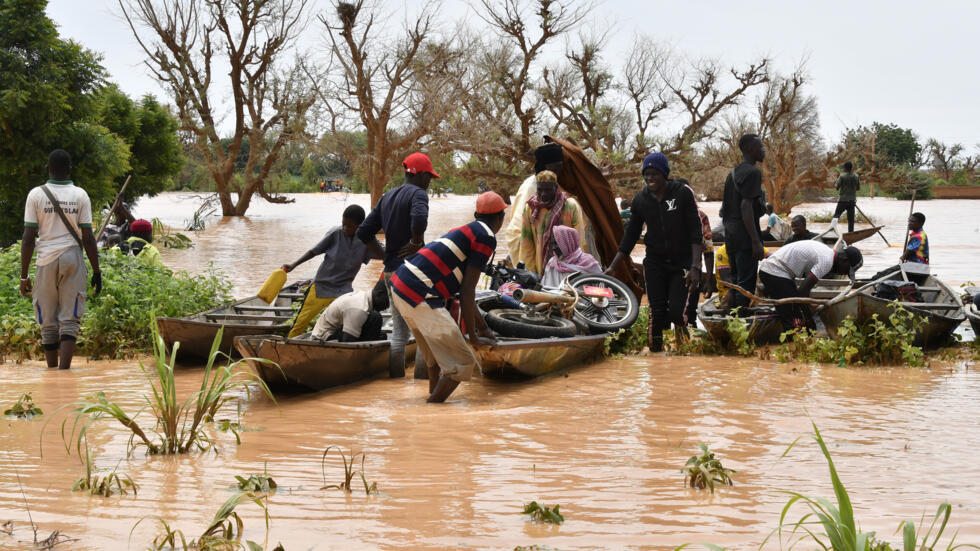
point(909, 63)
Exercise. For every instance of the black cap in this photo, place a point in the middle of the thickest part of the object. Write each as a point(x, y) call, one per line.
point(547, 154)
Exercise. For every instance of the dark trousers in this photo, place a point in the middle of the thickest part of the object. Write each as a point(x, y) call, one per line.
point(849, 207)
point(744, 270)
point(693, 297)
point(667, 294)
point(792, 315)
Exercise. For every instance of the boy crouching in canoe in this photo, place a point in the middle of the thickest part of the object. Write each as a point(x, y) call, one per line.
point(446, 267)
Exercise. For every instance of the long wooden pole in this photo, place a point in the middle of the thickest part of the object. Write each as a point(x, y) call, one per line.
point(776, 301)
point(872, 223)
point(112, 209)
point(901, 261)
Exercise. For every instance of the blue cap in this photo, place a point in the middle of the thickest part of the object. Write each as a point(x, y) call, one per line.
point(658, 161)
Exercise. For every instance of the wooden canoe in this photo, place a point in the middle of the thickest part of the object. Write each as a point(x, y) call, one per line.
point(973, 315)
point(829, 236)
point(309, 364)
point(527, 358)
point(764, 325)
point(250, 316)
point(941, 310)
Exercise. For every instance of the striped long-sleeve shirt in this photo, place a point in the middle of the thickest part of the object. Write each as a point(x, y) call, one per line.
point(435, 273)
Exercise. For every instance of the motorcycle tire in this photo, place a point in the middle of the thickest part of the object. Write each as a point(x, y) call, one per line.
point(515, 323)
point(619, 313)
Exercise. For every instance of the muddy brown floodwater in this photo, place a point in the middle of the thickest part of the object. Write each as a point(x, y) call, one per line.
point(605, 441)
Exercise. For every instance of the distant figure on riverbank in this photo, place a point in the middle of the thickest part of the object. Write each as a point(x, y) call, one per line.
point(741, 208)
point(674, 243)
point(343, 255)
point(444, 269)
point(809, 260)
point(847, 187)
point(54, 216)
point(140, 243)
point(798, 226)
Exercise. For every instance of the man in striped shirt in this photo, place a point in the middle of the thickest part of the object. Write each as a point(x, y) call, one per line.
point(443, 269)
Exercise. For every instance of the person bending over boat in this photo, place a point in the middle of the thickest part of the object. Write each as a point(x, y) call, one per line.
point(809, 260)
point(354, 317)
point(673, 246)
point(442, 269)
point(798, 226)
point(741, 207)
point(548, 208)
point(568, 258)
point(343, 255)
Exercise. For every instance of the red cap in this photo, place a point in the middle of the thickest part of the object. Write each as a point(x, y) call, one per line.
point(140, 225)
point(416, 163)
point(489, 202)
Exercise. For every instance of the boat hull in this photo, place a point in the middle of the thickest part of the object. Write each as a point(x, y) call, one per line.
point(310, 365)
point(973, 315)
point(764, 328)
point(527, 358)
point(249, 316)
point(935, 330)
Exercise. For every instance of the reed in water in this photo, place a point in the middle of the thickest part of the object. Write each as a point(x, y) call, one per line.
point(180, 425)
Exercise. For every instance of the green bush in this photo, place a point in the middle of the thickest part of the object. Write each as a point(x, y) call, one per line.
point(115, 322)
point(631, 340)
point(878, 342)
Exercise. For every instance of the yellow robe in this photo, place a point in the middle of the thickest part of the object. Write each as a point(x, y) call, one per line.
point(532, 248)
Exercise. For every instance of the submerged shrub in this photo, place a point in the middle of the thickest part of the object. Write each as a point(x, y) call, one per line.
point(631, 340)
point(877, 342)
point(705, 470)
point(543, 513)
point(115, 322)
point(24, 408)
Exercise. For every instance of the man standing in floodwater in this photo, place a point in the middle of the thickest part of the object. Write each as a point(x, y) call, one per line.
point(673, 246)
point(446, 267)
point(847, 186)
point(741, 207)
point(55, 214)
point(403, 214)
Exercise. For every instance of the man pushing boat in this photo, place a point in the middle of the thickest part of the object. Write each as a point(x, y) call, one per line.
point(444, 268)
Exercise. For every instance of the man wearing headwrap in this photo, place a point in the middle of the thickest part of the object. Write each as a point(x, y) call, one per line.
point(568, 257)
point(546, 209)
point(547, 157)
point(673, 246)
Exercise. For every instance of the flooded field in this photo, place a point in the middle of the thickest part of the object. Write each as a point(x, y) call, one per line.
point(606, 441)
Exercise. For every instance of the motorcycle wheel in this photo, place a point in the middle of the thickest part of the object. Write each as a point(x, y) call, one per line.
point(605, 315)
point(517, 324)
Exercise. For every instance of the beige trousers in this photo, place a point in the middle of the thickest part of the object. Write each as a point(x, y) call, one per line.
point(437, 333)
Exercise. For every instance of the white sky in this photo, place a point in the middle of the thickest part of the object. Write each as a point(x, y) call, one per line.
point(909, 63)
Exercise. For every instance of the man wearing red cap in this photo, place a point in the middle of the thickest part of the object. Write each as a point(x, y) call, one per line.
point(403, 214)
point(443, 269)
point(140, 242)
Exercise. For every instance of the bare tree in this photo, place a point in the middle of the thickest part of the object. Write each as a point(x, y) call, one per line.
point(944, 159)
point(184, 45)
point(397, 89)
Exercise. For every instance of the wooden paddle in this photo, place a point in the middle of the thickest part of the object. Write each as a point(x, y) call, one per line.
point(872, 223)
point(773, 301)
point(112, 209)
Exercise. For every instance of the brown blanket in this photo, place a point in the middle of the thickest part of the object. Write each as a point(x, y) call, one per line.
point(587, 184)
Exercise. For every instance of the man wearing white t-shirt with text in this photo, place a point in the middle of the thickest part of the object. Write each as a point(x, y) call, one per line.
point(57, 224)
point(808, 260)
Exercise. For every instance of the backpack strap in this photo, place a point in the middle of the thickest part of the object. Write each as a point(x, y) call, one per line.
point(61, 214)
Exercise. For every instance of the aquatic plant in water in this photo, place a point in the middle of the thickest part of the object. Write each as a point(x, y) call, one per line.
point(879, 342)
point(349, 460)
point(103, 485)
point(833, 525)
point(705, 470)
point(225, 532)
point(24, 408)
point(168, 237)
point(179, 425)
point(631, 340)
point(539, 513)
point(257, 483)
